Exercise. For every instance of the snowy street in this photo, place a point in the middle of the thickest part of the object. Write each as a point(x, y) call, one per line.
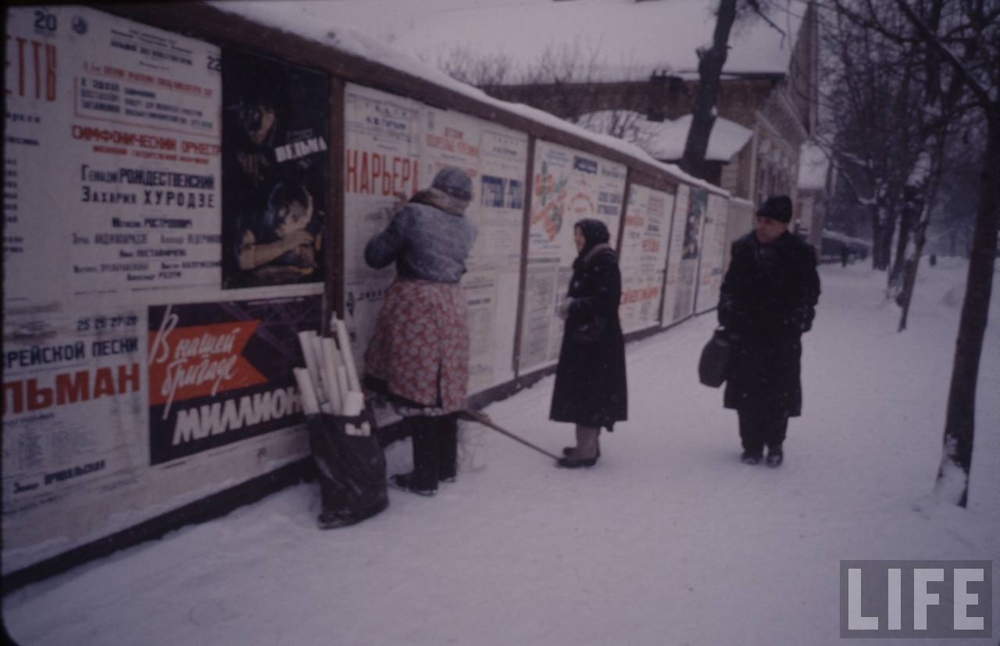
point(668, 540)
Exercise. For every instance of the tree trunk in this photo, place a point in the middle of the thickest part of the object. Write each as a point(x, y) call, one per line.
point(899, 262)
point(956, 462)
point(876, 239)
point(882, 240)
point(911, 265)
point(908, 220)
point(710, 65)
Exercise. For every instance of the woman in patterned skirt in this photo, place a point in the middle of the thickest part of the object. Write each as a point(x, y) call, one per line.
point(419, 355)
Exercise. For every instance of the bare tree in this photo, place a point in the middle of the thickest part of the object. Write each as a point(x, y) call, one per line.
point(565, 80)
point(872, 105)
point(710, 63)
point(958, 46)
point(468, 66)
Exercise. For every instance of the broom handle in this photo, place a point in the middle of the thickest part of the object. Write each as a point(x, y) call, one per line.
point(483, 419)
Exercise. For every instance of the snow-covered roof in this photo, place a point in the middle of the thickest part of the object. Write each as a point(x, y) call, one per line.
point(666, 139)
point(813, 166)
point(292, 17)
point(606, 39)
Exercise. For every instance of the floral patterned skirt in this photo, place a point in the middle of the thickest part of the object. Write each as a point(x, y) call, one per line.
point(420, 349)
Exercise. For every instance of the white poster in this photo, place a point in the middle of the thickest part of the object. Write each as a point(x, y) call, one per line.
point(643, 256)
point(73, 401)
point(113, 131)
point(568, 186)
point(381, 171)
point(691, 228)
point(713, 254)
point(674, 255)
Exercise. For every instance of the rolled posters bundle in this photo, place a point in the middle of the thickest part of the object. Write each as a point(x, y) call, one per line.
point(329, 382)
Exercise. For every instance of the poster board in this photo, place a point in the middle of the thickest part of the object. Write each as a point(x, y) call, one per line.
point(644, 245)
point(113, 287)
point(569, 185)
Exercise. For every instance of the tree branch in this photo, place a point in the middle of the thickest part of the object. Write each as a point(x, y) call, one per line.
point(931, 39)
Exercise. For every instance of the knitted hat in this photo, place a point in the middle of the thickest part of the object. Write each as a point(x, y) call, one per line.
point(777, 207)
point(453, 181)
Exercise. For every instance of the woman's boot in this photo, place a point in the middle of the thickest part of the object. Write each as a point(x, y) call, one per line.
point(585, 453)
point(423, 480)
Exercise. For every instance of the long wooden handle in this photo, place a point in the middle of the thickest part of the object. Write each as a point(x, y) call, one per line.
point(483, 418)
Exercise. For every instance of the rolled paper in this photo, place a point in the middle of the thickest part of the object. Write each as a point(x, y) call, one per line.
point(354, 403)
point(345, 348)
point(305, 340)
point(330, 371)
point(306, 392)
point(342, 382)
point(317, 348)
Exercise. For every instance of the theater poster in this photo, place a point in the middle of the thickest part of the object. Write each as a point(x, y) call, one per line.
point(111, 159)
point(276, 170)
point(222, 372)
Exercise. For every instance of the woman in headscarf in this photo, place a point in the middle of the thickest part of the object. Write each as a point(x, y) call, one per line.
point(419, 355)
point(590, 389)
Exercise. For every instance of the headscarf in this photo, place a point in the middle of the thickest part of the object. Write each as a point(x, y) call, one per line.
point(594, 232)
point(451, 191)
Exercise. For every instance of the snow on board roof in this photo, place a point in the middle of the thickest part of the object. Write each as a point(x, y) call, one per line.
point(613, 39)
point(290, 16)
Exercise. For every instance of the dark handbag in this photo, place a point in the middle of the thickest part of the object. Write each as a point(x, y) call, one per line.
point(713, 367)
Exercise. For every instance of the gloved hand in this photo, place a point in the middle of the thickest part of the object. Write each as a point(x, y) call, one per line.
point(563, 308)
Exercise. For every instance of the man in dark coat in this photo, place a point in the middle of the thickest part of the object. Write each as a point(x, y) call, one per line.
point(768, 300)
point(590, 389)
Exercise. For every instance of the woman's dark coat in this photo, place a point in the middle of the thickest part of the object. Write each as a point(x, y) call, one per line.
point(768, 300)
point(590, 387)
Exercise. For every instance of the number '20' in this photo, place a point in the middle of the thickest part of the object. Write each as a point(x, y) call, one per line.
point(45, 21)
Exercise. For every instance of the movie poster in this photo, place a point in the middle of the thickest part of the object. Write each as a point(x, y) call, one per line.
point(222, 372)
point(276, 167)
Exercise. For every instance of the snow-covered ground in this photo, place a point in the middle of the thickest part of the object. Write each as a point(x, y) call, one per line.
point(668, 540)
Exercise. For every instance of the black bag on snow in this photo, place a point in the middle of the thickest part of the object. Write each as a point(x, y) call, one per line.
point(713, 367)
point(350, 470)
